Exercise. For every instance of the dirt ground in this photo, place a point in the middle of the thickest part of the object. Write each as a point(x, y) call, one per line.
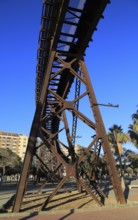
point(73, 205)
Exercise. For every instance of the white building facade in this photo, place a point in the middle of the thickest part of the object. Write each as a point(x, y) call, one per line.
point(17, 143)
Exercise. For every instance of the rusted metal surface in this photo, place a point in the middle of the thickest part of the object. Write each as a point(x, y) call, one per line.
point(60, 64)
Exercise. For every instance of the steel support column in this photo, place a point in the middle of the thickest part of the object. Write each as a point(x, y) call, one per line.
point(32, 139)
point(102, 133)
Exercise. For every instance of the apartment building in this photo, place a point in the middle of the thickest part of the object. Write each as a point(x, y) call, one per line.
point(17, 143)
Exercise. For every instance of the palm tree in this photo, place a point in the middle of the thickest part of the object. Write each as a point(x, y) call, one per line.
point(117, 138)
point(133, 129)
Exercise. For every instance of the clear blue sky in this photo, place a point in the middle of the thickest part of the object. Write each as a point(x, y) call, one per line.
point(112, 61)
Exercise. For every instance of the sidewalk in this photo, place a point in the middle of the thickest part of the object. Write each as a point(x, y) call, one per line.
point(118, 213)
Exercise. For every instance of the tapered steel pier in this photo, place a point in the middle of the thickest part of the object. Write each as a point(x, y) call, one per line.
point(67, 27)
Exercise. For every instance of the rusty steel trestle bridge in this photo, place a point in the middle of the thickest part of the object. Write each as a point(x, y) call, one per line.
point(67, 27)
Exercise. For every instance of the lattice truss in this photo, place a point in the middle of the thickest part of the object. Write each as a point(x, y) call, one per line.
point(67, 112)
point(61, 113)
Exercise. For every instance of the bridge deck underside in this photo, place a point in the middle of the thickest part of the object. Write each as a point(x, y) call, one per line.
point(70, 33)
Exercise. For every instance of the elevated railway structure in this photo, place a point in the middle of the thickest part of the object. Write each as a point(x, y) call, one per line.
point(62, 83)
